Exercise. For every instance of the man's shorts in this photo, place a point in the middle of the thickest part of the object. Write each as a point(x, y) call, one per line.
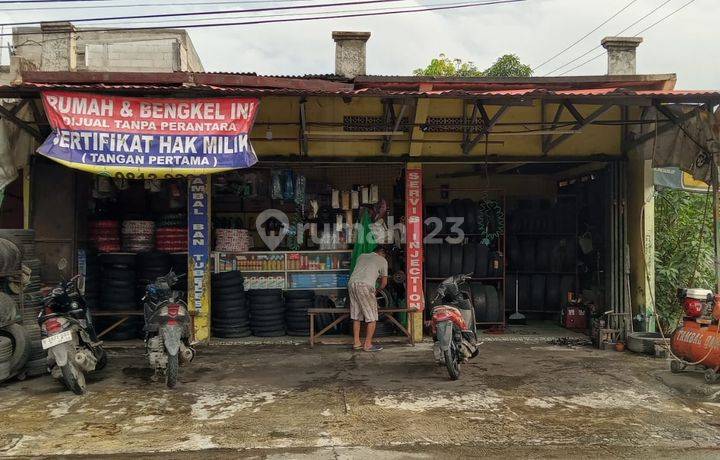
point(363, 303)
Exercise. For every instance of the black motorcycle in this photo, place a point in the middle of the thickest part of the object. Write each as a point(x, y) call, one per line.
point(167, 328)
point(69, 337)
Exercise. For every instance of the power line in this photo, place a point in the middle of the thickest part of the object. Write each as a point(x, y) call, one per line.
point(49, 1)
point(617, 34)
point(165, 21)
point(138, 5)
point(644, 30)
point(274, 21)
point(203, 13)
point(586, 35)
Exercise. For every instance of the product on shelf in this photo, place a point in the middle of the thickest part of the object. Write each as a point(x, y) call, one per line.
point(232, 240)
point(138, 235)
point(104, 235)
point(264, 282)
point(171, 239)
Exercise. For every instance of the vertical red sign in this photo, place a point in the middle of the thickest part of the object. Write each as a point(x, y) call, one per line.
point(414, 236)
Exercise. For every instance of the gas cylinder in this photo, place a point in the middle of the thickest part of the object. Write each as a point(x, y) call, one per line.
point(695, 342)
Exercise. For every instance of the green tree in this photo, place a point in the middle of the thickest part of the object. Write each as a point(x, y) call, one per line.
point(508, 65)
point(682, 257)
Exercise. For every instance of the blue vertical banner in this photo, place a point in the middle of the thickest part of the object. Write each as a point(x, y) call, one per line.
point(199, 253)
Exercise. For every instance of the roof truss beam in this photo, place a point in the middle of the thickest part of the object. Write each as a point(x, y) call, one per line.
point(11, 116)
point(581, 123)
point(392, 121)
point(488, 124)
point(666, 125)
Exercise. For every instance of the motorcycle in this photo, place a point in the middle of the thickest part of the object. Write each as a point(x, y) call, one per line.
point(453, 325)
point(69, 337)
point(167, 328)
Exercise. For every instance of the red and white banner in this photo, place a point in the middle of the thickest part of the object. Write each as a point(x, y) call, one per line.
point(149, 138)
point(414, 236)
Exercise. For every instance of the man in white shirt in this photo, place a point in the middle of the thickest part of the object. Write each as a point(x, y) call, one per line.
point(363, 301)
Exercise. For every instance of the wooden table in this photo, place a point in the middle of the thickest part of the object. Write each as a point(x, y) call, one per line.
point(344, 313)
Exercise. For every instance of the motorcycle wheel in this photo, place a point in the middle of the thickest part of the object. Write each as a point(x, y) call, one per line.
point(74, 379)
point(452, 364)
point(171, 371)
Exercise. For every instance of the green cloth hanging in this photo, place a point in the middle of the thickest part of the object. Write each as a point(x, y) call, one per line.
point(365, 242)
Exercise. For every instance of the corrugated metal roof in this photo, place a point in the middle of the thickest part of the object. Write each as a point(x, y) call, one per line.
point(274, 86)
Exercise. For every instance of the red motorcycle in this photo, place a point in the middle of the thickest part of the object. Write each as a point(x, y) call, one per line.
point(453, 325)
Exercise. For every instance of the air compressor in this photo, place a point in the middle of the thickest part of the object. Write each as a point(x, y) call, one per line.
point(697, 341)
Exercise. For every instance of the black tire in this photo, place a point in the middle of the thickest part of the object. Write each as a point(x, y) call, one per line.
point(20, 339)
point(308, 296)
point(297, 333)
point(510, 293)
point(171, 371)
point(278, 333)
point(524, 291)
point(452, 364)
point(644, 342)
point(482, 253)
point(114, 284)
point(118, 274)
point(492, 298)
point(117, 259)
point(36, 367)
point(221, 305)
point(74, 381)
point(456, 259)
point(527, 247)
point(445, 260)
point(552, 292)
point(299, 304)
point(468, 258)
point(538, 283)
point(432, 260)
point(238, 291)
point(270, 293)
point(479, 302)
point(233, 334)
point(272, 305)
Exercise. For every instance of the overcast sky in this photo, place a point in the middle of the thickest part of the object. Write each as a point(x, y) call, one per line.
point(688, 43)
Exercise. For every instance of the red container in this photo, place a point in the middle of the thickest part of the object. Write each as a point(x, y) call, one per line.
point(694, 342)
point(574, 318)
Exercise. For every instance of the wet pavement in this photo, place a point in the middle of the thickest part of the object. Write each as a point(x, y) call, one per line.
point(518, 399)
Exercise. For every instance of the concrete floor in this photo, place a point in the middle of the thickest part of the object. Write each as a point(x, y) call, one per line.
point(518, 399)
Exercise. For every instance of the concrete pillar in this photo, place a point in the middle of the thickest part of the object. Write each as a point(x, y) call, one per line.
point(621, 54)
point(350, 53)
point(59, 47)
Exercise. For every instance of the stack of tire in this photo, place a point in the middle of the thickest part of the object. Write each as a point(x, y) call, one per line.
point(117, 293)
point(232, 240)
point(138, 235)
point(31, 300)
point(230, 310)
point(297, 304)
point(267, 312)
point(14, 340)
point(92, 280)
point(104, 235)
point(171, 234)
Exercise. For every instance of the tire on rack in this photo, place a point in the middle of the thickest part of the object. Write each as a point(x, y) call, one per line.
point(552, 292)
point(468, 258)
point(306, 295)
point(479, 302)
point(277, 333)
point(445, 260)
point(432, 260)
point(456, 259)
point(494, 310)
point(117, 259)
point(482, 254)
point(537, 286)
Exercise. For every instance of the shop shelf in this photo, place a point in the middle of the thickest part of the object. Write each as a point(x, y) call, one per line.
point(261, 271)
point(338, 288)
point(330, 270)
point(443, 278)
